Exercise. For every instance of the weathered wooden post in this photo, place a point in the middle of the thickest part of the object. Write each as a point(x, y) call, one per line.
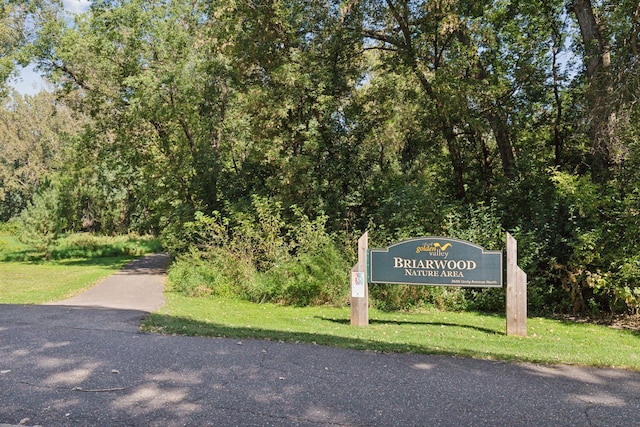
point(359, 285)
point(516, 292)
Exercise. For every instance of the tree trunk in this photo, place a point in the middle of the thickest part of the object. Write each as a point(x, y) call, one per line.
point(598, 64)
point(456, 162)
point(501, 133)
point(558, 131)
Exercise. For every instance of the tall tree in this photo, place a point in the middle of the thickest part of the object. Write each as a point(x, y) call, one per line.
point(471, 60)
point(19, 21)
point(597, 59)
point(609, 36)
point(152, 77)
point(35, 132)
point(299, 64)
point(13, 17)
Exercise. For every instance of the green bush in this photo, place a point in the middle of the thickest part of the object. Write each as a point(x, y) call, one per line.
point(257, 255)
point(10, 227)
point(40, 223)
point(490, 300)
point(87, 245)
point(415, 297)
point(216, 272)
point(307, 279)
point(188, 275)
point(626, 296)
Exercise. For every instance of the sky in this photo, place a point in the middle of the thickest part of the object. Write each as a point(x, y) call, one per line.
point(76, 6)
point(29, 82)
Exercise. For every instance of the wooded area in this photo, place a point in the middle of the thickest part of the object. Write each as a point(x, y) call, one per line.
point(272, 133)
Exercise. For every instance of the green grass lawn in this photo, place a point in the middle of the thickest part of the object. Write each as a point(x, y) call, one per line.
point(39, 282)
point(463, 334)
point(81, 261)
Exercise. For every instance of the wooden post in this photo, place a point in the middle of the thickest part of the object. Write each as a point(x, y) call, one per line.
point(360, 286)
point(516, 292)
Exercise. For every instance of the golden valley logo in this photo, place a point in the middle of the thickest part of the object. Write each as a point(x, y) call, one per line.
point(435, 249)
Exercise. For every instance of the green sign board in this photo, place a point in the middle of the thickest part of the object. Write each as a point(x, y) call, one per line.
point(437, 261)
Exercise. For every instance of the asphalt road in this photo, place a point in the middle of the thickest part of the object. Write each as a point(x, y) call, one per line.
point(84, 363)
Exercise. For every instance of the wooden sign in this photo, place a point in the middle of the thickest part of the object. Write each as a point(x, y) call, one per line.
point(439, 261)
point(436, 261)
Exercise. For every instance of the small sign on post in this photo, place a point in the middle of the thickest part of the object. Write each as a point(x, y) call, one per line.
point(359, 285)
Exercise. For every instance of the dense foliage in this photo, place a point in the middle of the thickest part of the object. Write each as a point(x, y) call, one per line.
point(261, 137)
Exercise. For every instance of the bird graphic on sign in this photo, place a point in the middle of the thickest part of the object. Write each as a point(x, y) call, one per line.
point(443, 248)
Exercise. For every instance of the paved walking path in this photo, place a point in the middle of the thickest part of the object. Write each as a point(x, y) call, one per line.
point(138, 286)
point(83, 362)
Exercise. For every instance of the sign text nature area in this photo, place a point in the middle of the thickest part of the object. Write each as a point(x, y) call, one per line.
point(436, 261)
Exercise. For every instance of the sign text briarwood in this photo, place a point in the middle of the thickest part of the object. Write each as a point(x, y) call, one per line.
point(438, 261)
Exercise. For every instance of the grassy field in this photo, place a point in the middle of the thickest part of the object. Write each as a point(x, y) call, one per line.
point(79, 262)
point(455, 334)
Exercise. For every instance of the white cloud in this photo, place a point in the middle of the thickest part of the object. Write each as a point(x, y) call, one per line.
point(76, 6)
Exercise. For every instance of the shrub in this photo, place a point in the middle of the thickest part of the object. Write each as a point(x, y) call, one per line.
point(87, 245)
point(492, 300)
point(257, 255)
point(10, 227)
point(413, 297)
point(216, 272)
point(40, 223)
point(311, 278)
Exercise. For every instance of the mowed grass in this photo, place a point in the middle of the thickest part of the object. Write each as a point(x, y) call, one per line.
point(40, 282)
point(82, 260)
point(462, 334)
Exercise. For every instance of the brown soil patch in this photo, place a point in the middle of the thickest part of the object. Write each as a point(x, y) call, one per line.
point(630, 322)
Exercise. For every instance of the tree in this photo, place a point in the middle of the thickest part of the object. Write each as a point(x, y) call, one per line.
point(597, 58)
point(300, 65)
point(609, 37)
point(35, 130)
point(154, 85)
point(477, 63)
point(41, 223)
point(19, 21)
point(12, 21)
